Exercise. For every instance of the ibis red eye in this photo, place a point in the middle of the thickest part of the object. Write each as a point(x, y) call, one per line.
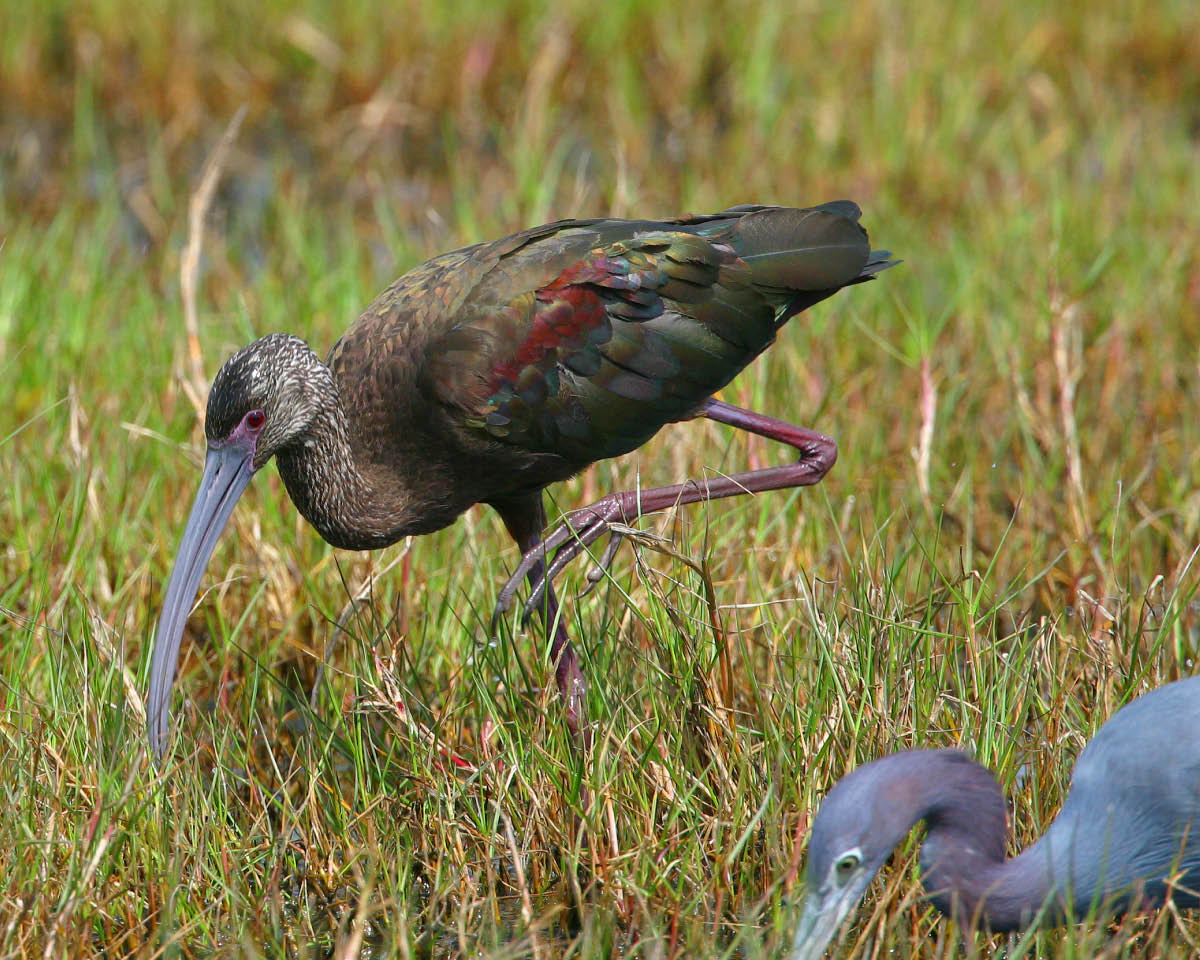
point(255, 419)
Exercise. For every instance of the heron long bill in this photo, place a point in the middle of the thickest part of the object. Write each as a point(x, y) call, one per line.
point(824, 912)
point(227, 471)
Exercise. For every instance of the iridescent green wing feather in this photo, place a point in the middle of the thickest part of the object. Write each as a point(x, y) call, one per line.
point(581, 339)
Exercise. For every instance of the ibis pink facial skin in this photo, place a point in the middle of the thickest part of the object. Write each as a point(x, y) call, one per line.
point(227, 472)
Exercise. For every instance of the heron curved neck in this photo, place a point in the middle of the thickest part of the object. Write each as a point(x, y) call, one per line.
point(963, 856)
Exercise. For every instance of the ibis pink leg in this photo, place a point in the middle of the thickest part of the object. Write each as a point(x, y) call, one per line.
point(585, 526)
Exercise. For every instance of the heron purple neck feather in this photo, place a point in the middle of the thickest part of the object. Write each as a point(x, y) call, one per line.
point(488, 373)
point(1130, 823)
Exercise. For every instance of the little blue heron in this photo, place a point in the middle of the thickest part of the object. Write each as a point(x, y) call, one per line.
point(1127, 837)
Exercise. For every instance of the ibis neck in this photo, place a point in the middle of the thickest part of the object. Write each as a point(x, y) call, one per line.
point(345, 499)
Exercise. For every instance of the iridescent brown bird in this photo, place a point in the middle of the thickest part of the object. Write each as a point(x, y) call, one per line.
point(488, 373)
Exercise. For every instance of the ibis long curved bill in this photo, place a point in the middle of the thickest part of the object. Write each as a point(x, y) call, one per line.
point(227, 472)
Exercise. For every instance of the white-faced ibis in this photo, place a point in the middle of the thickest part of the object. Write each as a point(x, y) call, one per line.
point(488, 373)
point(1127, 837)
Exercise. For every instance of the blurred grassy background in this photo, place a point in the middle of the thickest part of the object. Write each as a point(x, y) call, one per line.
point(1002, 556)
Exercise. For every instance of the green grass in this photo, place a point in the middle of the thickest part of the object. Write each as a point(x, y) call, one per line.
point(1007, 591)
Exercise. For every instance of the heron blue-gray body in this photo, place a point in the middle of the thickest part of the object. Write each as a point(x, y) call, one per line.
point(488, 373)
point(1127, 837)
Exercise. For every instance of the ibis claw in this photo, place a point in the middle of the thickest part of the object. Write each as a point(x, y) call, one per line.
point(597, 571)
point(574, 535)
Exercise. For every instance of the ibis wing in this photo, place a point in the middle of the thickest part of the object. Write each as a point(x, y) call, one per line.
point(584, 339)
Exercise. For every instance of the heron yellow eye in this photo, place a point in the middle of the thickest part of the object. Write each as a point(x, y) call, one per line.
point(845, 867)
